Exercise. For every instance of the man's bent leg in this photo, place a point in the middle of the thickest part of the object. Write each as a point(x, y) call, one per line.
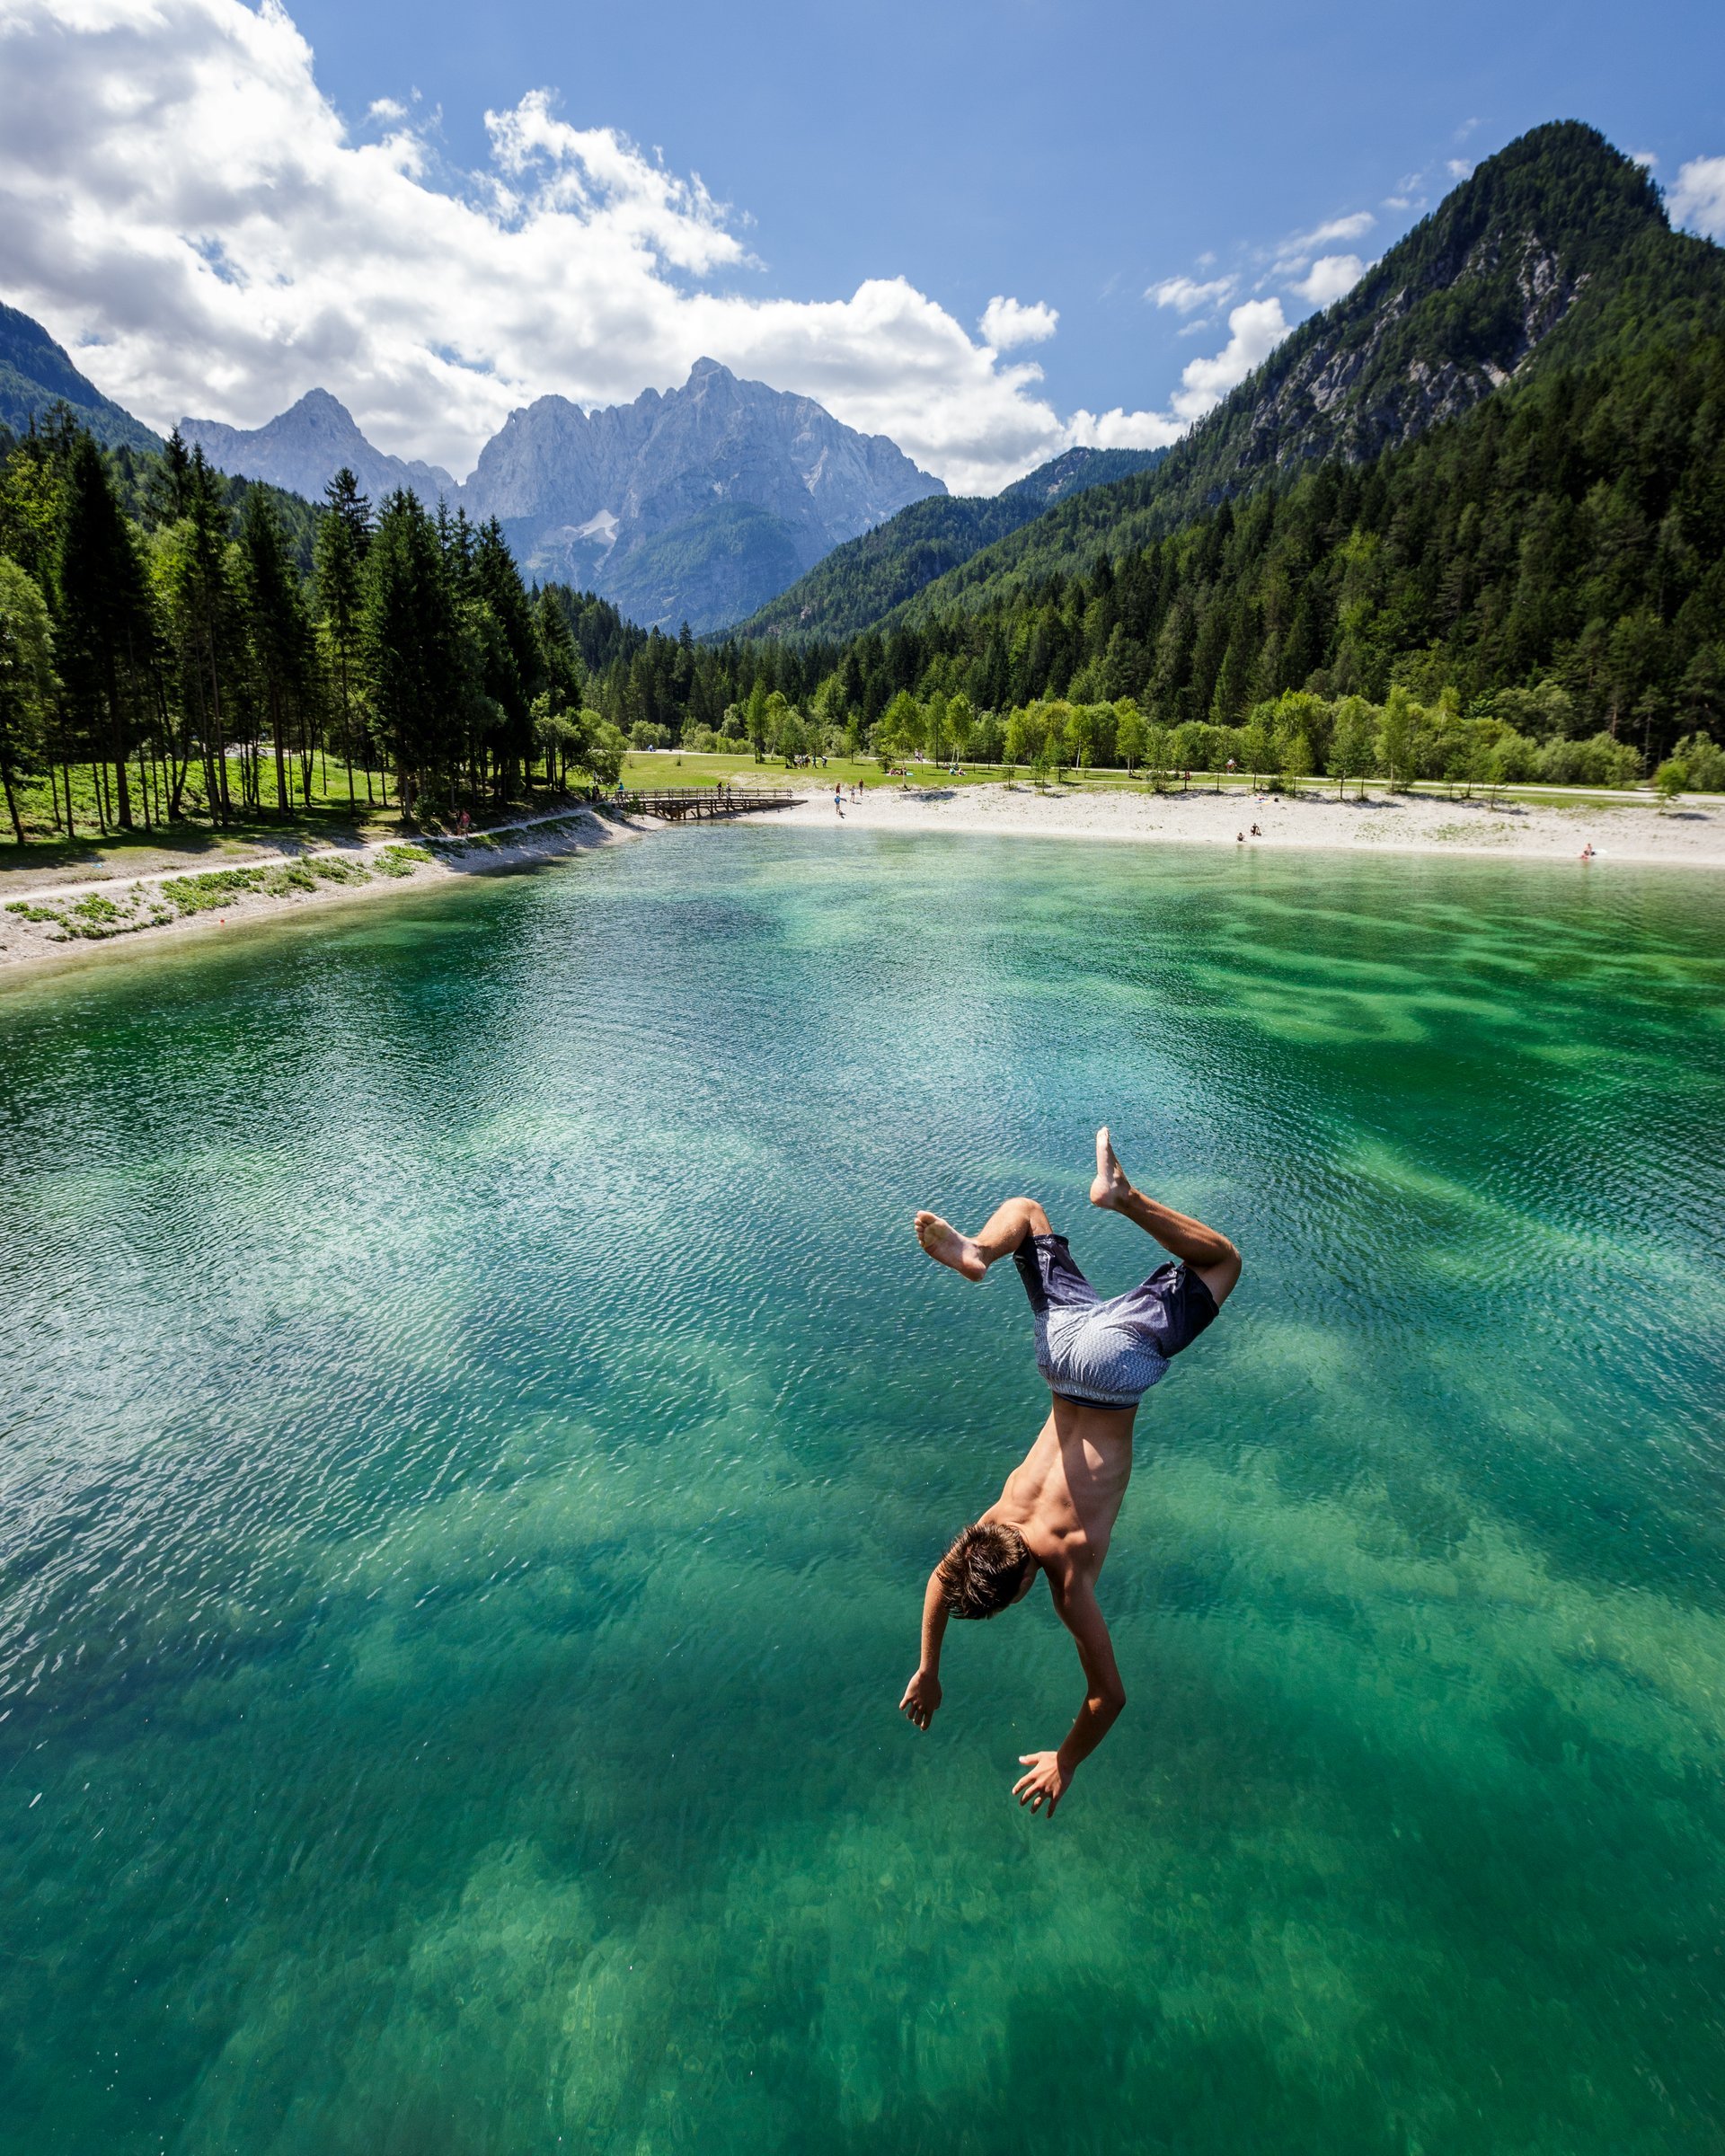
point(1206, 1250)
point(972, 1255)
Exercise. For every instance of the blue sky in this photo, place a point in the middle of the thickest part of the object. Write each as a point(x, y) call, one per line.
point(931, 157)
point(1073, 153)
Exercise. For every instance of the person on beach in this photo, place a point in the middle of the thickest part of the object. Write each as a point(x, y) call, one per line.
point(1057, 1510)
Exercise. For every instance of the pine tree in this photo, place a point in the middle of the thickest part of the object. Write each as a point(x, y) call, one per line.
point(516, 673)
point(340, 554)
point(105, 630)
point(26, 681)
point(278, 632)
point(412, 646)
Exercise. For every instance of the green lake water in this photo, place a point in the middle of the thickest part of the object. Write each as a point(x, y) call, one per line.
point(476, 1426)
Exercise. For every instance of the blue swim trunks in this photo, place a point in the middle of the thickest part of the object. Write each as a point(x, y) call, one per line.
point(1109, 1354)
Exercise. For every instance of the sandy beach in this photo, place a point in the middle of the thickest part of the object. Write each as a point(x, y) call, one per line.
point(1692, 835)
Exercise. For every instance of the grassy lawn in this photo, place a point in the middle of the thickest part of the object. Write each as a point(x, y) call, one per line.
point(194, 841)
point(671, 767)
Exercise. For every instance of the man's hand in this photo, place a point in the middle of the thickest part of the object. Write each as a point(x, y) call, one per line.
point(1046, 1778)
point(922, 1697)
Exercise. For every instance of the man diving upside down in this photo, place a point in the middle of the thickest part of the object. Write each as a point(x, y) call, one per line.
point(1059, 1508)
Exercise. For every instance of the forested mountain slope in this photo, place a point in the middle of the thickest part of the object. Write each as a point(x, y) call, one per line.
point(1556, 252)
point(1564, 546)
point(859, 582)
point(37, 375)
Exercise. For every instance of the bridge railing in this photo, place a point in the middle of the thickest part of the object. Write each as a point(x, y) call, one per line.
point(675, 803)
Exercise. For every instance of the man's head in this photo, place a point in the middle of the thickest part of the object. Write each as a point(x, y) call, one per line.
point(986, 1571)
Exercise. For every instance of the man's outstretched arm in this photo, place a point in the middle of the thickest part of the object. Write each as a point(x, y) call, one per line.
point(1051, 1773)
point(923, 1694)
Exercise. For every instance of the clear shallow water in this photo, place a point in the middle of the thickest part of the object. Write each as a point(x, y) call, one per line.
point(476, 1424)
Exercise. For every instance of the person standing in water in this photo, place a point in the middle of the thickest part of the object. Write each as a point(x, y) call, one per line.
point(1057, 1513)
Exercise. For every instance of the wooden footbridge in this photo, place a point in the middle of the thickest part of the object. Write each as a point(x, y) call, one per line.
point(676, 804)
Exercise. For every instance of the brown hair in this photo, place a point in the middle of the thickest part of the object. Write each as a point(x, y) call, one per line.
point(983, 1570)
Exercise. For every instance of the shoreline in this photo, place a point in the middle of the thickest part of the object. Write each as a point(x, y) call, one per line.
point(1626, 834)
point(58, 923)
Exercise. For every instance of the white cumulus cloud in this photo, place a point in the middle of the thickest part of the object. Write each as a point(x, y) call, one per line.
point(1008, 322)
point(1698, 199)
point(1329, 277)
point(1352, 227)
point(1295, 255)
point(1255, 328)
point(181, 205)
point(1186, 295)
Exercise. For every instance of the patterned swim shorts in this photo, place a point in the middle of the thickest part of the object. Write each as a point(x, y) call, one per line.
point(1108, 1354)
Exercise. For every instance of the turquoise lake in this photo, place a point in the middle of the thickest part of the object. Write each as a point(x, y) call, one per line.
point(476, 1426)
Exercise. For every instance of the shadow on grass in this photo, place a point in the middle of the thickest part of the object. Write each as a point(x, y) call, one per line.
point(187, 843)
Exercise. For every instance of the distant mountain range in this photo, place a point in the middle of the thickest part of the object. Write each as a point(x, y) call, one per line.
point(695, 504)
point(857, 583)
point(726, 502)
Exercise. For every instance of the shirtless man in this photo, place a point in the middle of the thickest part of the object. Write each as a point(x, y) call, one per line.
point(1057, 1510)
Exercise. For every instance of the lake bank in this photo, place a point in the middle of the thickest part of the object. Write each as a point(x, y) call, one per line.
point(44, 919)
point(48, 919)
point(1628, 832)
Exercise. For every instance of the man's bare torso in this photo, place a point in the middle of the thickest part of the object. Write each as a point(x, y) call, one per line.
point(1065, 1494)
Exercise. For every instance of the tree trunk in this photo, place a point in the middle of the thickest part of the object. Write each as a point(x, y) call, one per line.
point(281, 761)
point(71, 822)
point(347, 733)
point(12, 806)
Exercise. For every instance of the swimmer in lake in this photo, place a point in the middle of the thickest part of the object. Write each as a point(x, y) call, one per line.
point(1057, 1513)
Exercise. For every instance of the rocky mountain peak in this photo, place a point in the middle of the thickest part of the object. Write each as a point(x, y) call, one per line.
point(693, 503)
point(303, 449)
point(1452, 312)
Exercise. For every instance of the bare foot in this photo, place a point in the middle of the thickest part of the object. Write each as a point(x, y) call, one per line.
point(946, 1246)
point(1111, 1186)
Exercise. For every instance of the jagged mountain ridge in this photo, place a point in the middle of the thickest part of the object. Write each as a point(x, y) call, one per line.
point(690, 504)
point(693, 504)
point(1554, 252)
point(867, 577)
point(36, 375)
point(303, 447)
